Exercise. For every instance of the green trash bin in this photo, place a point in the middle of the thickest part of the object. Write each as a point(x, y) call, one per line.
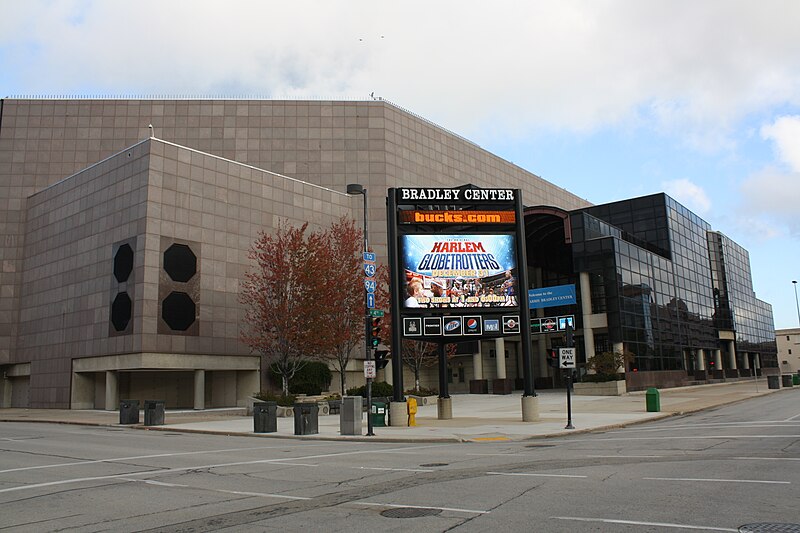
point(378, 414)
point(796, 379)
point(653, 400)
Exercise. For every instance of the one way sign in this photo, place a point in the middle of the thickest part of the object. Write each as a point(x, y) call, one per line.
point(566, 357)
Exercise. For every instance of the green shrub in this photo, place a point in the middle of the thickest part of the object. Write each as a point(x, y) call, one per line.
point(312, 379)
point(422, 392)
point(606, 364)
point(379, 388)
point(284, 401)
point(305, 387)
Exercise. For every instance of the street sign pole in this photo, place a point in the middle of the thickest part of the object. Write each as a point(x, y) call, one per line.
point(569, 401)
point(569, 367)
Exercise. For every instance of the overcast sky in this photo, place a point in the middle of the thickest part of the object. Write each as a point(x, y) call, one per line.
point(608, 99)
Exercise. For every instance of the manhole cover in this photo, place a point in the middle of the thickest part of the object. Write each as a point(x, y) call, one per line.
point(767, 527)
point(428, 465)
point(409, 512)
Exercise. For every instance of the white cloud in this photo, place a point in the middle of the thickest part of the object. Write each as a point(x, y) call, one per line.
point(774, 198)
point(785, 132)
point(689, 194)
point(511, 66)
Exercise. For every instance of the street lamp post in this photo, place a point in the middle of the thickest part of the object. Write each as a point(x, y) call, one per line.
point(352, 189)
point(794, 282)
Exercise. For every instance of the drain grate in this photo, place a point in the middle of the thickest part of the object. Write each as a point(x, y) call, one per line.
point(410, 512)
point(428, 465)
point(767, 527)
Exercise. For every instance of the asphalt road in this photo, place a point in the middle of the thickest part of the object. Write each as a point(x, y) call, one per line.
point(711, 471)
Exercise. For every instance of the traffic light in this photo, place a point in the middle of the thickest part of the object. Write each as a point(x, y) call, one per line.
point(381, 357)
point(375, 331)
point(552, 357)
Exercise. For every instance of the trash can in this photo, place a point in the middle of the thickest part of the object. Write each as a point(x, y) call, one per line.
point(378, 414)
point(129, 412)
point(154, 412)
point(773, 382)
point(265, 417)
point(653, 400)
point(786, 380)
point(306, 419)
point(796, 379)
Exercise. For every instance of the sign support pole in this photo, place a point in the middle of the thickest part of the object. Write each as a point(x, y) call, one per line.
point(570, 344)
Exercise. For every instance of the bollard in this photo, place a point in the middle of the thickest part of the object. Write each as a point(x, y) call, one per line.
point(653, 400)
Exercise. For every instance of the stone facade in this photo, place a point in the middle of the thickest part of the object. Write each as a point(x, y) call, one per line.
point(82, 179)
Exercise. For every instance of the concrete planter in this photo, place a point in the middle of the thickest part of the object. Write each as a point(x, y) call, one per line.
point(606, 388)
point(424, 400)
point(286, 412)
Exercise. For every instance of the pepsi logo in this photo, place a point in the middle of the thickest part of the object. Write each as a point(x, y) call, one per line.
point(452, 325)
point(472, 323)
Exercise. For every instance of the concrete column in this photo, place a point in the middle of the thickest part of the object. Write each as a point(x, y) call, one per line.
point(732, 353)
point(588, 342)
point(746, 361)
point(500, 350)
point(586, 294)
point(387, 373)
point(701, 359)
point(112, 391)
point(718, 359)
point(199, 389)
point(5, 395)
point(477, 363)
point(756, 361)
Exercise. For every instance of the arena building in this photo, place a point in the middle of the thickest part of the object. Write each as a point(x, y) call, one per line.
point(126, 225)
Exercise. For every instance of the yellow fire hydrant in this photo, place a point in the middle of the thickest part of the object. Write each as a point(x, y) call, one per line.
point(412, 412)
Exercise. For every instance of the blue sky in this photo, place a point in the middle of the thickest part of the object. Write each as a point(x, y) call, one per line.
point(608, 99)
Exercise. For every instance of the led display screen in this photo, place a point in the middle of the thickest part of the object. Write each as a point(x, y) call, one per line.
point(457, 270)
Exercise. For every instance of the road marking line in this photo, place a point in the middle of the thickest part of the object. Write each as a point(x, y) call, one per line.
point(394, 469)
point(637, 523)
point(236, 492)
point(295, 464)
point(626, 456)
point(718, 480)
point(455, 509)
point(137, 457)
point(260, 494)
point(770, 458)
point(164, 471)
point(489, 439)
point(792, 418)
point(531, 474)
point(708, 437)
point(494, 454)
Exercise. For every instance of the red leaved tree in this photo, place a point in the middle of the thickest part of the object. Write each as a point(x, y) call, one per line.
point(276, 293)
point(420, 354)
point(338, 304)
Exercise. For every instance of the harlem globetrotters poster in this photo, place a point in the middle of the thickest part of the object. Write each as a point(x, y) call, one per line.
point(444, 271)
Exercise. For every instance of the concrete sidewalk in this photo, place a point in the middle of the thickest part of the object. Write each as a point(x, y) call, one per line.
point(476, 418)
